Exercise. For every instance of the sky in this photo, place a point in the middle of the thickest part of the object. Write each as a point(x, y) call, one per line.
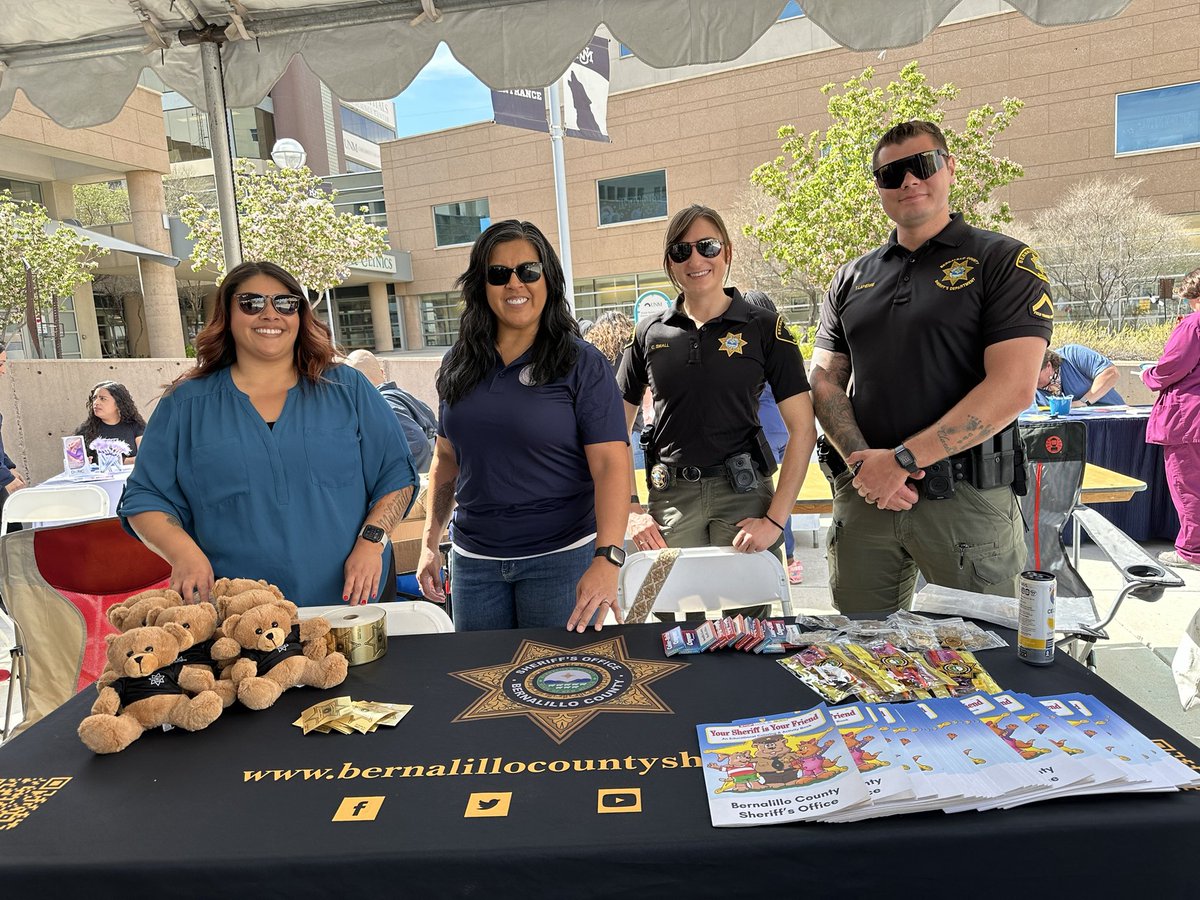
point(444, 95)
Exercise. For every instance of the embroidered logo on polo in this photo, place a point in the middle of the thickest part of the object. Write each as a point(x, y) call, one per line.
point(561, 689)
point(1043, 308)
point(1029, 261)
point(956, 274)
point(731, 344)
point(783, 333)
point(526, 376)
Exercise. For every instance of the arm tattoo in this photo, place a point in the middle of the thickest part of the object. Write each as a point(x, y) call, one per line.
point(391, 509)
point(171, 520)
point(956, 438)
point(830, 376)
point(443, 502)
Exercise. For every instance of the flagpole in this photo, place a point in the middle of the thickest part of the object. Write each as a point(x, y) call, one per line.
point(554, 97)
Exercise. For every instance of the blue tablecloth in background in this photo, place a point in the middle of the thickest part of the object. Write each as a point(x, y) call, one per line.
point(1116, 440)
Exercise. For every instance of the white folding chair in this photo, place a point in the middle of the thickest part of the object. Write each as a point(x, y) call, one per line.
point(55, 505)
point(403, 616)
point(709, 580)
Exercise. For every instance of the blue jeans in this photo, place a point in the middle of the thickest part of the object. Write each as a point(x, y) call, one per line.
point(517, 593)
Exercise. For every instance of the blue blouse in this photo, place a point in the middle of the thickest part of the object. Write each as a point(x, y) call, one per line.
point(283, 503)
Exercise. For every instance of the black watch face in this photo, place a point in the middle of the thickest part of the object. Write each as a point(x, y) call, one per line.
point(614, 555)
point(372, 533)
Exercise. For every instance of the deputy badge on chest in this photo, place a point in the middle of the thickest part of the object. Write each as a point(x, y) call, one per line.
point(956, 274)
point(732, 343)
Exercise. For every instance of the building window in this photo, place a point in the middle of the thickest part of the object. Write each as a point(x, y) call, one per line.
point(253, 133)
point(791, 11)
point(358, 124)
point(596, 296)
point(1158, 119)
point(439, 318)
point(460, 223)
point(22, 190)
point(187, 134)
point(632, 198)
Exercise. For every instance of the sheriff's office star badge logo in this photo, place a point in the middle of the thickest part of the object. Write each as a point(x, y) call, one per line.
point(1029, 261)
point(732, 343)
point(561, 689)
point(956, 274)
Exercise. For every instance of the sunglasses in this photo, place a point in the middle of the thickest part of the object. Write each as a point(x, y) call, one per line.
point(923, 165)
point(681, 251)
point(527, 272)
point(253, 304)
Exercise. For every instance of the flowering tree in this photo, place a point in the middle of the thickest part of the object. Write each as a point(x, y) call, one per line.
point(101, 204)
point(37, 268)
point(287, 218)
point(826, 209)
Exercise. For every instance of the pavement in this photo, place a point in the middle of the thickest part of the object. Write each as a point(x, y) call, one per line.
point(1136, 659)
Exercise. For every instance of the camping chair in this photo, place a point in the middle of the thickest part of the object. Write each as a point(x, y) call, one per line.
point(403, 616)
point(55, 505)
point(1056, 453)
point(707, 580)
point(58, 584)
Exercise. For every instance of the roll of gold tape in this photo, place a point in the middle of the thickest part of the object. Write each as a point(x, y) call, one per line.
point(358, 633)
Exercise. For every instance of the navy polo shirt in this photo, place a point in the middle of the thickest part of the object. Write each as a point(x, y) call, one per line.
point(706, 380)
point(916, 323)
point(524, 487)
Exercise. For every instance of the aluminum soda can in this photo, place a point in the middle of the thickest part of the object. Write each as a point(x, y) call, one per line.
point(1035, 619)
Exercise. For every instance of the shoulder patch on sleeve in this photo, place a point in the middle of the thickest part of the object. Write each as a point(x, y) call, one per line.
point(1043, 308)
point(783, 333)
point(1029, 261)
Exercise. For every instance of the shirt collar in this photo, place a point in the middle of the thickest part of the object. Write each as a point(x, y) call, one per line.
point(738, 310)
point(953, 235)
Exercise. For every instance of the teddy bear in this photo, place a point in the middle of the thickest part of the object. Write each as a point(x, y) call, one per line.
point(200, 621)
point(272, 656)
point(225, 648)
point(147, 692)
point(228, 587)
point(135, 611)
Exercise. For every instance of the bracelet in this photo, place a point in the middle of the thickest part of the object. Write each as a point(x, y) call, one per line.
point(772, 521)
point(633, 498)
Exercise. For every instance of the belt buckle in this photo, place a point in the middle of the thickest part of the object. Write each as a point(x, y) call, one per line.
point(690, 473)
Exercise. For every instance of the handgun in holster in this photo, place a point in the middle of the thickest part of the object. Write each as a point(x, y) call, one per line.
point(831, 462)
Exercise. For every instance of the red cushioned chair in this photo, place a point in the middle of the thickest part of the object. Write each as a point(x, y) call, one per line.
point(58, 584)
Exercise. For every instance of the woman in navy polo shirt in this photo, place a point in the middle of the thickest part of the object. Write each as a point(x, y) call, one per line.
point(532, 446)
point(269, 460)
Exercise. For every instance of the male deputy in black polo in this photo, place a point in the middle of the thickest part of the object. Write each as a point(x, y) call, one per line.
point(943, 329)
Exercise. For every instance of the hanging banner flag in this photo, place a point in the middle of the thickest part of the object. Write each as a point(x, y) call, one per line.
point(521, 108)
point(585, 93)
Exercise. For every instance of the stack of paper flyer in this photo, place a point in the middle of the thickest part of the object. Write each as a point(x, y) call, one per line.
point(983, 751)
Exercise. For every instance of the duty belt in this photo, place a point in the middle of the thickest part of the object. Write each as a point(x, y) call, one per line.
point(695, 473)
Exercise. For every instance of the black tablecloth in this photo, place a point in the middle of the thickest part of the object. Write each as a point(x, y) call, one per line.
point(246, 807)
point(1120, 444)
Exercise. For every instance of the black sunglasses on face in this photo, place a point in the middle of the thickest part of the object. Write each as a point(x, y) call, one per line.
point(253, 304)
point(923, 165)
point(527, 272)
point(681, 251)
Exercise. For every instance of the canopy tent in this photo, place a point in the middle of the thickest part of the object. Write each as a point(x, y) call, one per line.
point(79, 62)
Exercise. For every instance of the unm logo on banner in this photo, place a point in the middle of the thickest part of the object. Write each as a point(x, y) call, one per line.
point(585, 93)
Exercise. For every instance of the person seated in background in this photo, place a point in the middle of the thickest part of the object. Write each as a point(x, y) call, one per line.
point(112, 413)
point(1079, 372)
point(415, 418)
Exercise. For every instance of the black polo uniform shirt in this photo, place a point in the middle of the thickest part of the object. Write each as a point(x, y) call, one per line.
point(915, 324)
point(706, 381)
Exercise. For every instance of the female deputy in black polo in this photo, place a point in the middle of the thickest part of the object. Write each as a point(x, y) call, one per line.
point(532, 445)
point(706, 360)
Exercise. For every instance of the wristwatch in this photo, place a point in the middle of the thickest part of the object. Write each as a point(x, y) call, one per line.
point(372, 533)
point(612, 554)
point(1086, 402)
point(907, 461)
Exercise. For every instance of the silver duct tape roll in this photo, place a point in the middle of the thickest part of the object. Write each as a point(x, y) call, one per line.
point(359, 633)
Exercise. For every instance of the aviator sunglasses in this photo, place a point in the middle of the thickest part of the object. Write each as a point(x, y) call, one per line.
point(253, 304)
point(923, 165)
point(681, 251)
point(527, 272)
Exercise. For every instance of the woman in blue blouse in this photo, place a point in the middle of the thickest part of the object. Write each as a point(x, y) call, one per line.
point(532, 445)
point(268, 460)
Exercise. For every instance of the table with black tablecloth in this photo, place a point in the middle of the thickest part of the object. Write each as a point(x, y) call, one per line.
point(614, 807)
point(1116, 440)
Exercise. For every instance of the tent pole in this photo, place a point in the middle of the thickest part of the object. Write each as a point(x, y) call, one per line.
point(560, 191)
point(222, 152)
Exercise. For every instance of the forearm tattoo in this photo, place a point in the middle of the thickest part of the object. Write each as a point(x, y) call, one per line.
point(956, 438)
point(830, 376)
point(443, 503)
point(392, 509)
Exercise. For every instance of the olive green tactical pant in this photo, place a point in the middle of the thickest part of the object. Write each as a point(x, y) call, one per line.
point(705, 513)
point(974, 541)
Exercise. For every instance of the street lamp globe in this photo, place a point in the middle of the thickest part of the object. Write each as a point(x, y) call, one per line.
point(288, 153)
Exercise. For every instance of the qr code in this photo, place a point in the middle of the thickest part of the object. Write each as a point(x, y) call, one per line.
point(21, 796)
